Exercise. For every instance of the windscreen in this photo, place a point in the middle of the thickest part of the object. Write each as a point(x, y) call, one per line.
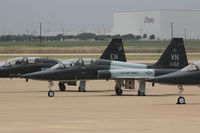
point(58, 66)
point(15, 61)
point(190, 68)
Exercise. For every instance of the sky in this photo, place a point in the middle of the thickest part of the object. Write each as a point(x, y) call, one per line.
point(24, 16)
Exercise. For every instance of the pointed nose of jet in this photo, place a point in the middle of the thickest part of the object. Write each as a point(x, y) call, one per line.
point(153, 80)
point(36, 75)
point(162, 79)
point(172, 78)
point(27, 76)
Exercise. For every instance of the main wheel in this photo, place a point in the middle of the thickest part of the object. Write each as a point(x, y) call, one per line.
point(81, 90)
point(181, 100)
point(51, 93)
point(141, 93)
point(62, 86)
point(118, 91)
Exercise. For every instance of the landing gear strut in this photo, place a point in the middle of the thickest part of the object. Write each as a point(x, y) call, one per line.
point(62, 86)
point(118, 90)
point(142, 86)
point(50, 92)
point(81, 87)
point(141, 93)
point(180, 100)
point(118, 86)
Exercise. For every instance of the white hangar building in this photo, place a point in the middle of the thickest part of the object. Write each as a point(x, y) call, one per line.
point(162, 23)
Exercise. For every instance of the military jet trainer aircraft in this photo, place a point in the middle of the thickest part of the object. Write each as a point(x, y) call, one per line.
point(189, 75)
point(114, 51)
point(173, 59)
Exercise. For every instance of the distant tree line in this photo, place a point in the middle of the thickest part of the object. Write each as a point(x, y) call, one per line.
point(82, 36)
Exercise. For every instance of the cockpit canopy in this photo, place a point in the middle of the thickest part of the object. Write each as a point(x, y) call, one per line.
point(75, 62)
point(25, 60)
point(192, 67)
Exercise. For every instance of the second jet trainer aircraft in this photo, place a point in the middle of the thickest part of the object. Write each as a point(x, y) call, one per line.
point(124, 73)
point(189, 75)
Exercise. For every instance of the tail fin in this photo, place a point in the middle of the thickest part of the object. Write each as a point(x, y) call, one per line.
point(174, 56)
point(114, 51)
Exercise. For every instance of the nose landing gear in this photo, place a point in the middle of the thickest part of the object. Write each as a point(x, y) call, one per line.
point(50, 92)
point(180, 100)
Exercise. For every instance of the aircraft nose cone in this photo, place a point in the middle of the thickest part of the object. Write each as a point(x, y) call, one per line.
point(25, 76)
point(37, 75)
point(153, 80)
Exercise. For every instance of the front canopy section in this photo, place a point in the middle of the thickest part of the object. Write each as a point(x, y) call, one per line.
point(15, 61)
point(75, 62)
point(26, 60)
point(192, 67)
point(84, 62)
point(58, 66)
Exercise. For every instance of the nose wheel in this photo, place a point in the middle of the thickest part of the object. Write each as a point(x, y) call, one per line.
point(50, 92)
point(180, 100)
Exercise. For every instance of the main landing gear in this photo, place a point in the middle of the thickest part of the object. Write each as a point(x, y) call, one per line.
point(142, 86)
point(62, 86)
point(82, 85)
point(118, 86)
point(118, 90)
point(120, 83)
point(50, 92)
point(180, 100)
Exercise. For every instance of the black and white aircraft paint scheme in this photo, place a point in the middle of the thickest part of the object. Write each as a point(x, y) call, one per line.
point(124, 73)
point(189, 75)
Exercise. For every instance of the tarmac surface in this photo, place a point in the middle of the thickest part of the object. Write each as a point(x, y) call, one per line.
point(26, 108)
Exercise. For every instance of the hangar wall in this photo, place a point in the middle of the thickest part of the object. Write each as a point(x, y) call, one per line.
point(158, 22)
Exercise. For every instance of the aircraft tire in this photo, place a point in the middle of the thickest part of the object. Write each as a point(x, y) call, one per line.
point(81, 90)
point(141, 93)
point(181, 100)
point(118, 91)
point(62, 86)
point(51, 93)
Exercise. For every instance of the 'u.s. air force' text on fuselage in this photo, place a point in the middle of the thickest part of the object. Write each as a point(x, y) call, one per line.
point(128, 73)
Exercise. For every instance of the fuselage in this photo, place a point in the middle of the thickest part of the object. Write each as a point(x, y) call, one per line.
point(189, 75)
point(184, 78)
point(93, 69)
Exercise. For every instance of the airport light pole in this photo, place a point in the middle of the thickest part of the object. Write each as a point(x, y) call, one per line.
point(172, 29)
point(185, 34)
point(40, 32)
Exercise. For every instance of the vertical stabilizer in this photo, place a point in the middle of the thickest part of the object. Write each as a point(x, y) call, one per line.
point(114, 51)
point(174, 56)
